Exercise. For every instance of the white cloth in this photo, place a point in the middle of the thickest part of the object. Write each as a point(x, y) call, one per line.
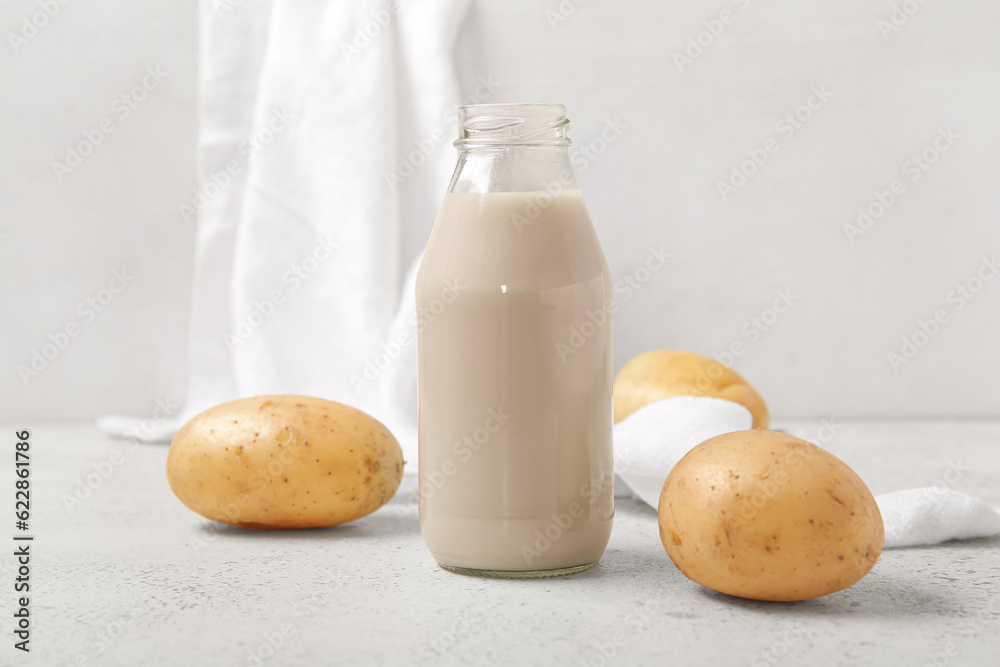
point(932, 514)
point(337, 120)
point(650, 442)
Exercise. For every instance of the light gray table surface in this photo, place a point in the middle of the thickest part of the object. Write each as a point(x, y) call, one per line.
point(131, 577)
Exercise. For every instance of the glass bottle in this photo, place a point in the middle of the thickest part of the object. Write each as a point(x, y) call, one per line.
point(515, 357)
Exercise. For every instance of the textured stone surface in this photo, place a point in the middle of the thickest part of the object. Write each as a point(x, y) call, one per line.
point(131, 577)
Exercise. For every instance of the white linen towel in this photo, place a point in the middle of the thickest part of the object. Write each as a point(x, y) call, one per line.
point(324, 148)
point(650, 442)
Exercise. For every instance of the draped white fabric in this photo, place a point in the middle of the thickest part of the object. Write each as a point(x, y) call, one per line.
point(324, 144)
point(650, 442)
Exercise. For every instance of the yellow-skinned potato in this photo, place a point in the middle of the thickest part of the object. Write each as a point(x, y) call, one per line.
point(658, 374)
point(284, 462)
point(763, 515)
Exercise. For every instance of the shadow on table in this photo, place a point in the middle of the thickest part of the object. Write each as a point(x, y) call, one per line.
point(897, 587)
point(398, 518)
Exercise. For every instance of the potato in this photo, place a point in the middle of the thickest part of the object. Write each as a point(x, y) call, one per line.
point(658, 374)
point(284, 462)
point(763, 515)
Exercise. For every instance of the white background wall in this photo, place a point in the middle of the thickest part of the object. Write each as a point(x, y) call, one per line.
point(117, 209)
point(655, 184)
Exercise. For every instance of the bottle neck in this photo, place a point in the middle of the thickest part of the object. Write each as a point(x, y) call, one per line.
point(534, 168)
point(512, 148)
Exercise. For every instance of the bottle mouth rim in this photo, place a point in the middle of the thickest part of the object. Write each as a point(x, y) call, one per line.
point(554, 105)
point(512, 124)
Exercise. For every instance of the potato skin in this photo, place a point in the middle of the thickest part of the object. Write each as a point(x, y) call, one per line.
point(763, 515)
point(284, 462)
point(658, 374)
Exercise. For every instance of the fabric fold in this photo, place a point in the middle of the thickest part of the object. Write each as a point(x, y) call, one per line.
point(650, 442)
point(322, 153)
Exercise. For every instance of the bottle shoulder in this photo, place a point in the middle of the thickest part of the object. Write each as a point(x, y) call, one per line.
point(516, 239)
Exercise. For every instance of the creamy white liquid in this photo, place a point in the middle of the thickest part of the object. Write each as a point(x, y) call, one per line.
point(515, 384)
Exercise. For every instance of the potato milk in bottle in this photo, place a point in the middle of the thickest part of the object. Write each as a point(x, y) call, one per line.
point(515, 361)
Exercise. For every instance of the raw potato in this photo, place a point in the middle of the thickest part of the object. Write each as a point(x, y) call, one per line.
point(658, 374)
point(284, 462)
point(763, 515)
